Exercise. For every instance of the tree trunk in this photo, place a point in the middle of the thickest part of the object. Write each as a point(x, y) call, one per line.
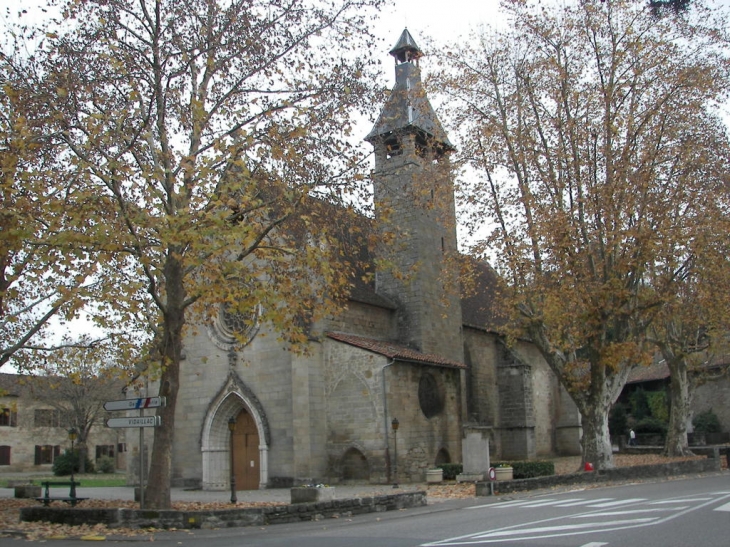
point(676, 443)
point(157, 493)
point(82, 451)
point(596, 441)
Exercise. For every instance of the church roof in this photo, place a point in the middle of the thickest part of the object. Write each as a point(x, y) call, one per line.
point(656, 371)
point(408, 108)
point(480, 308)
point(394, 351)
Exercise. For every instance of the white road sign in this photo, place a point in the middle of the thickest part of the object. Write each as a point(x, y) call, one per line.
point(133, 404)
point(138, 421)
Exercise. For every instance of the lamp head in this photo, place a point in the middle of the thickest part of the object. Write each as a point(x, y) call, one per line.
point(231, 424)
point(394, 424)
point(72, 434)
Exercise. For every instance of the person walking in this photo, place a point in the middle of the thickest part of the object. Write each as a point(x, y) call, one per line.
point(632, 438)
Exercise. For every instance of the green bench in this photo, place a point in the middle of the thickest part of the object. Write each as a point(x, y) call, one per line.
point(72, 498)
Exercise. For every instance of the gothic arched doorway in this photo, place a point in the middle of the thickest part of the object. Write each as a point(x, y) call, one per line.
point(246, 452)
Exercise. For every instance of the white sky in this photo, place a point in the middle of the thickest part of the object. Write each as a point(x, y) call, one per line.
point(443, 20)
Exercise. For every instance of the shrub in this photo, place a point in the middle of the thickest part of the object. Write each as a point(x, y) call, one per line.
point(706, 422)
point(105, 464)
point(62, 464)
point(451, 470)
point(639, 404)
point(526, 470)
point(651, 425)
point(659, 405)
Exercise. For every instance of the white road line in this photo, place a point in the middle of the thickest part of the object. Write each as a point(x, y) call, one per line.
point(562, 528)
point(594, 544)
point(627, 512)
point(545, 503)
point(576, 503)
point(682, 500)
point(617, 502)
point(725, 507)
point(503, 534)
point(501, 505)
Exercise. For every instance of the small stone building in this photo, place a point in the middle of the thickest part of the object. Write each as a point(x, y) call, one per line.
point(33, 432)
point(409, 350)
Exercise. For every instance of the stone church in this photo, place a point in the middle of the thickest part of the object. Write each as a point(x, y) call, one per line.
point(387, 388)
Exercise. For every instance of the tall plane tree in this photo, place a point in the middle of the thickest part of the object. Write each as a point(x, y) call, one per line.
point(596, 151)
point(208, 138)
point(44, 275)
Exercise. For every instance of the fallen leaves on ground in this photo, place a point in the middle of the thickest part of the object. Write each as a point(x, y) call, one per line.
point(10, 508)
point(10, 518)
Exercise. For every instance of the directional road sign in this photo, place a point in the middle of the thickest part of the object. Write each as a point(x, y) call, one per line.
point(139, 421)
point(132, 404)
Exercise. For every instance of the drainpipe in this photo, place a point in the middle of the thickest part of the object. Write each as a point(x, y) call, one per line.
point(386, 430)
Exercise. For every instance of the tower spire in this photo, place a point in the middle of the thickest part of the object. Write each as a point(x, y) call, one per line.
point(405, 50)
point(408, 109)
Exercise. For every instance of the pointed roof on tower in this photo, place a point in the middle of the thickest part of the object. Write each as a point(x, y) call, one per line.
point(407, 108)
point(405, 49)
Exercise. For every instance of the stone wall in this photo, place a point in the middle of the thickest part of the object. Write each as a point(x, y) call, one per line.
point(516, 421)
point(421, 438)
point(556, 418)
point(224, 518)
point(365, 320)
point(354, 402)
point(480, 353)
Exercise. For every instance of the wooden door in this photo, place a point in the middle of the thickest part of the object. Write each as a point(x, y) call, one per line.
point(246, 452)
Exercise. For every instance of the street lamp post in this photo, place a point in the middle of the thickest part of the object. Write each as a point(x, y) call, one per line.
point(394, 424)
point(72, 435)
point(232, 428)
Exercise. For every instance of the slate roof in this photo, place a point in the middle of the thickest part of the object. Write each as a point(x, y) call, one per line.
point(394, 351)
point(408, 108)
point(653, 372)
point(480, 299)
point(659, 370)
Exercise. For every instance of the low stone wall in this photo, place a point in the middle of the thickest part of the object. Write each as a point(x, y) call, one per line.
point(608, 475)
point(225, 518)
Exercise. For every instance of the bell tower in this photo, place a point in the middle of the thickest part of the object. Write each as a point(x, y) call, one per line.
point(414, 209)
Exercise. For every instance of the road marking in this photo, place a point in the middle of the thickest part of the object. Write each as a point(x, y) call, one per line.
point(583, 502)
point(594, 544)
point(679, 500)
point(562, 528)
point(546, 503)
point(505, 504)
point(520, 532)
point(627, 512)
point(617, 502)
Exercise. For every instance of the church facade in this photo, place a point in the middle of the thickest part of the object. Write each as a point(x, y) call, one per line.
point(387, 387)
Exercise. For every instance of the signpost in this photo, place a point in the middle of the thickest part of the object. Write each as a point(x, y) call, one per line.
point(141, 422)
point(134, 404)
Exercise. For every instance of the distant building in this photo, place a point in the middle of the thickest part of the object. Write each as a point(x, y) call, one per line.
point(413, 350)
point(33, 433)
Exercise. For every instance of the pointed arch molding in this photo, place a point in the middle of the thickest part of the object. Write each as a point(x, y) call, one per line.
point(233, 397)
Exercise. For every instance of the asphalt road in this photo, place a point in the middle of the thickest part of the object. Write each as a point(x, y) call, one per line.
point(676, 513)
